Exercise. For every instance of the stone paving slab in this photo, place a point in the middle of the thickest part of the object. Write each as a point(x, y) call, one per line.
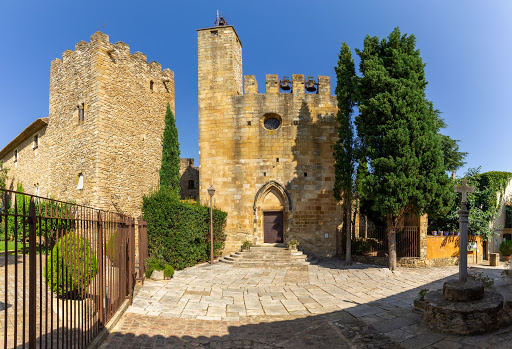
point(328, 305)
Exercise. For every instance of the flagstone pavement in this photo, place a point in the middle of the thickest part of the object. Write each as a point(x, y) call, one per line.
point(327, 305)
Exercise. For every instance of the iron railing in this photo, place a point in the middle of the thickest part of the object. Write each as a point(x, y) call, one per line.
point(70, 269)
point(407, 241)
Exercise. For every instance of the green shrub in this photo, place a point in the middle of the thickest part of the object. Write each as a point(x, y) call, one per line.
point(168, 271)
point(113, 249)
point(506, 247)
point(246, 245)
point(179, 232)
point(155, 263)
point(360, 246)
point(71, 267)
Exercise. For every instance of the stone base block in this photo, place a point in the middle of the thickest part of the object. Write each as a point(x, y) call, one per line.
point(494, 259)
point(463, 292)
point(463, 318)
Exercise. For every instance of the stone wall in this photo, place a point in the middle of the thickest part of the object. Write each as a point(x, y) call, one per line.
point(29, 157)
point(256, 169)
point(189, 180)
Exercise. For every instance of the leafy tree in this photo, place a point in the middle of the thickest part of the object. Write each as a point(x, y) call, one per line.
point(484, 205)
point(170, 167)
point(453, 158)
point(344, 152)
point(3, 175)
point(398, 130)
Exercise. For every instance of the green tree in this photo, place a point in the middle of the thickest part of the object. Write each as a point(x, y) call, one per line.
point(398, 130)
point(170, 167)
point(344, 152)
point(3, 175)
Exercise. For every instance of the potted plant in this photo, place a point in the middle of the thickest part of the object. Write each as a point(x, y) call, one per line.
point(446, 233)
point(434, 232)
point(292, 244)
point(246, 246)
point(506, 249)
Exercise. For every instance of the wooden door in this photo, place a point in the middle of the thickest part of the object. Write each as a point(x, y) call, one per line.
point(273, 227)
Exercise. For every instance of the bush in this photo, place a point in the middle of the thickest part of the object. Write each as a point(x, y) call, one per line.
point(179, 232)
point(71, 267)
point(246, 245)
point(113, 248)
point(506, 247)
point(155, 263)
point(360, 246)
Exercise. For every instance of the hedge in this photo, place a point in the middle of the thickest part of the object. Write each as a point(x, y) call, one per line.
point(179, 232)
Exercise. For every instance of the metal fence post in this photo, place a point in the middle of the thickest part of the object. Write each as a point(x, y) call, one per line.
point(32, 301)
point(101, 272)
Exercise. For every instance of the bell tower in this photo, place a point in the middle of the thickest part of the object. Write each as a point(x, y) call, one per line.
point(219, 79)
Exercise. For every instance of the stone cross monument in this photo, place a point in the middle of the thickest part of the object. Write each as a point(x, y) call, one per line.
point(463, 227)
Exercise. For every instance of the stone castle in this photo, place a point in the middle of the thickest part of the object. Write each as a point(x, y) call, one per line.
point(101, 143)
point(268, 155)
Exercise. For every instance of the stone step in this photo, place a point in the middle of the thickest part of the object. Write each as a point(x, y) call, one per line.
point(267, 256)
point(240, 259)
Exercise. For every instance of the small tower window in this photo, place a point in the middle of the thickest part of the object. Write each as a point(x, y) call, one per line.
point(214, 33)
point(81, 113)
point(277, 159)
point(36, 142)
point(151, 83)
point(191, 184)
point(305, 174)
point(80, 184)
point(16, 155)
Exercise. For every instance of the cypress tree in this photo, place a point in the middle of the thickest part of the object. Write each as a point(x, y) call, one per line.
point(344, 167)
point(398, 130)
point(170, 167)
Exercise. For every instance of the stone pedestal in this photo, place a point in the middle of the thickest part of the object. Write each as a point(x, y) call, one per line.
point(463, 308)
point(494, 259)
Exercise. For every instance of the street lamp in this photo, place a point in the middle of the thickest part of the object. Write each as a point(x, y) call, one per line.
point(211, 191)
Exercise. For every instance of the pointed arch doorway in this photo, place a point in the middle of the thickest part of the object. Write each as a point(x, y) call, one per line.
point(271, 207)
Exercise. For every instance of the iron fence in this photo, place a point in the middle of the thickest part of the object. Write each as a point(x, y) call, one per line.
point(407, 241)
point(69, 269)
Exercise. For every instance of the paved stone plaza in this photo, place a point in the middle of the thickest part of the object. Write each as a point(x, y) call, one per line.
point(328, 305)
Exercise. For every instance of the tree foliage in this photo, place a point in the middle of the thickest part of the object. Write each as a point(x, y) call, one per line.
point(179, 232)
point(170, 167)
point(3, 175)
point(398, 130)
point(344, 148)
point(484, 205)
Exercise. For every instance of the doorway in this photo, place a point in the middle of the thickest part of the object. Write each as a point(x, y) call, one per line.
point(273, 227)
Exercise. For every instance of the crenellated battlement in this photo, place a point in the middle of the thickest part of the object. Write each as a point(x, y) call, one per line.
point(320, 85)
point(99, 42)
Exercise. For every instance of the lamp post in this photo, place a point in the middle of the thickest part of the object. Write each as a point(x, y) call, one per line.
point(211, 191)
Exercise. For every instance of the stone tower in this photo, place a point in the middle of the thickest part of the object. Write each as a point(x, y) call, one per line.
point(268, 155)
point(106, 119)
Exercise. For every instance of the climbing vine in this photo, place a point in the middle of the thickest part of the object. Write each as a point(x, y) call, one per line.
point(484, 205)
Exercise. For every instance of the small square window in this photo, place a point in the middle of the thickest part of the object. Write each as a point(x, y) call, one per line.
point(305, 174)
point(248, 123)
point(214, 33)
point(277, 159)
point(295, 122)
point(191, 184)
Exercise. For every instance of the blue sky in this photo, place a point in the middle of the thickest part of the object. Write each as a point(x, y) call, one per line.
point(465, 44)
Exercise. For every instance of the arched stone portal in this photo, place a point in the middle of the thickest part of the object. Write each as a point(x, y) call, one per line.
point(272, 213)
